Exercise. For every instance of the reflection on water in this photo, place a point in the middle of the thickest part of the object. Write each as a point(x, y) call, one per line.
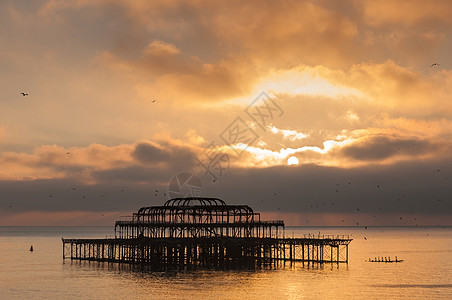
point(187, 269)
point(426, 272)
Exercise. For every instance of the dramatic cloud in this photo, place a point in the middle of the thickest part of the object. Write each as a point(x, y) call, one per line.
point(380, 148)
point(124, 95)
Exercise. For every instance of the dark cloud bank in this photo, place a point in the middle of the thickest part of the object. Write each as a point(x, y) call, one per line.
point(420, 187)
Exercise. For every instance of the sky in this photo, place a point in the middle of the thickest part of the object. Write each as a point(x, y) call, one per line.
point(133, 102)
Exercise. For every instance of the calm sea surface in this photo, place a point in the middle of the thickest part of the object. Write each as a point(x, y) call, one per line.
point(426, 272)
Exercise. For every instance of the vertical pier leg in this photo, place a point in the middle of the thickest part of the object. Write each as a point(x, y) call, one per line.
point(346, 253)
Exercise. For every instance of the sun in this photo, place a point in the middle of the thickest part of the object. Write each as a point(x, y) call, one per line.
point(292, 161)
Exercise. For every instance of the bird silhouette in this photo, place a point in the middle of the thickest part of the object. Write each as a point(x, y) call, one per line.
point(24, 94)
point(434, 64)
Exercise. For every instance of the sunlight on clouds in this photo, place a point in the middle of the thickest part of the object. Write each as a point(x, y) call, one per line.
point(258, 157)
point(292, 135)
point(351, 116)
point(194, 138)
point(428, 128)
point(306, 81)
point(160, 48)
point(301, 81)
point(354, 149)
point(51, 161)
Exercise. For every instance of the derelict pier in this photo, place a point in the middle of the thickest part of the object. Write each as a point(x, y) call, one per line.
point(205, 232)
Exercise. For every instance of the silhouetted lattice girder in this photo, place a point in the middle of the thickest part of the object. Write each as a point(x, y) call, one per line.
point(197, 217)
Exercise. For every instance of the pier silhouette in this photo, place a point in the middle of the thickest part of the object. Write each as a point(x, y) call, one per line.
point(205, 232)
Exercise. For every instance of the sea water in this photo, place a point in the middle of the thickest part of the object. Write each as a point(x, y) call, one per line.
point(425, 273)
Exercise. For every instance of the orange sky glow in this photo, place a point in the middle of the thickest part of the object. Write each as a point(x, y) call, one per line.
point(125, 95)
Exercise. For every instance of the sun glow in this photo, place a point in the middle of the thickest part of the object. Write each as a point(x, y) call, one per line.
point(305, 81)
point(292, 161)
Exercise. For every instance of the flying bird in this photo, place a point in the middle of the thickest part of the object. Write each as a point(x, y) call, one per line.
point(24, 94)
point(434, 64)
point(153, 101)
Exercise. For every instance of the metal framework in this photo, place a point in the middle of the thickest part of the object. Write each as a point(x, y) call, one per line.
point(195, 218)
point(207, 232)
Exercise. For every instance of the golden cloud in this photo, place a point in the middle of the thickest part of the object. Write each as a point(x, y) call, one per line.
point(92, 162)
point(160, 48)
